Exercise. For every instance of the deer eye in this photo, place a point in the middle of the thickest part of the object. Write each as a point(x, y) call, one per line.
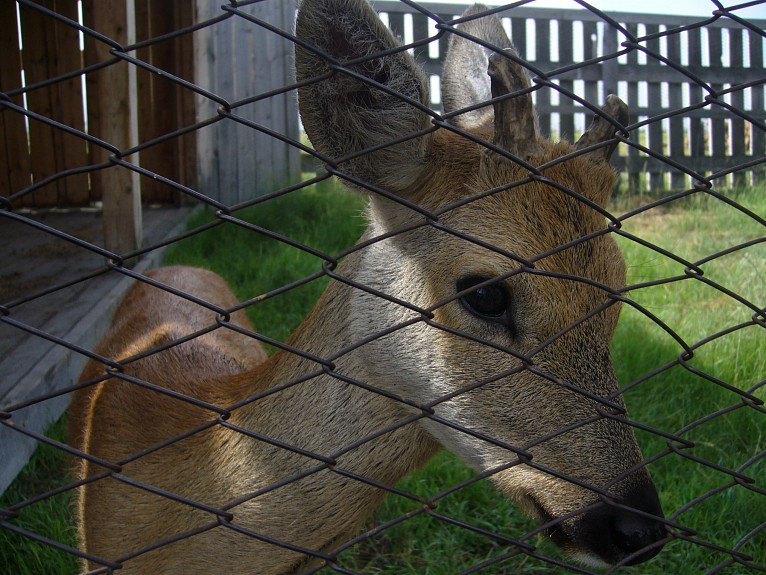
point(490, 302)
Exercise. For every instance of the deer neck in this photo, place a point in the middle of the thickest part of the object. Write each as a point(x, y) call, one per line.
point(324, 408)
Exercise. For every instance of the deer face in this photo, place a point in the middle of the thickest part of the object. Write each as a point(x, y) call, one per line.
point(512, 274)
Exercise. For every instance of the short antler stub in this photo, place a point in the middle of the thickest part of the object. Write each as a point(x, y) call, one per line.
point(515, 120)
point(601, 129)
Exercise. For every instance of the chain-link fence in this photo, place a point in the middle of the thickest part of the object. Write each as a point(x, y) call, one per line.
point(476, 313)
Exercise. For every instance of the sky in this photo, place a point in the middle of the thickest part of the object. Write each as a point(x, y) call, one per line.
point(679, 7)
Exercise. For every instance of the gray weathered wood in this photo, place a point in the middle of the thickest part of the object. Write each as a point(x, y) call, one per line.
point(239, 60)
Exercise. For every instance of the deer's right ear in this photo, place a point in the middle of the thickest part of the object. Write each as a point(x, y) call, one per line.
point(361, 99)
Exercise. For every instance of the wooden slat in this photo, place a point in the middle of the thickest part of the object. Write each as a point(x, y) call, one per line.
point(184, 16)
point(543, 50)
point(156, 117)
point(226, 132)
point(112, 109)
point(252, 57)
point(634, 159)
point(738, 101)
point(697, 132)
point(205, 75)
point(40, 59)
point(519, 34)
point(590, 37)
point(675, 101)
point(656, 143)
point(290, 103)
point(719, 124)
point(15, 166)
point(67, 99)
point(396, 23)
point(757, 134)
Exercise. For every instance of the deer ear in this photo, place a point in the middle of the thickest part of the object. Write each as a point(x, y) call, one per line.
point(360, 93)
point(465, 81)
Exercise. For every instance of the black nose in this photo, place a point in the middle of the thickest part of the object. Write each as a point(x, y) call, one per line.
point(634, 533)
point(631, 528)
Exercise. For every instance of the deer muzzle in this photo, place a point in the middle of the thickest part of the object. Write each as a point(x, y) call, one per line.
point(628, 531)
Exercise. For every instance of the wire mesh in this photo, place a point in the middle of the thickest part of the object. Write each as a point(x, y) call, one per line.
point(677, 453)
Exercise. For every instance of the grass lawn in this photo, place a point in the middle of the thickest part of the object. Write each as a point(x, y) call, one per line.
point(328, 219)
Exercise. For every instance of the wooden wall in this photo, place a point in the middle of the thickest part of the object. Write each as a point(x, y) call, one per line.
point(44, 153)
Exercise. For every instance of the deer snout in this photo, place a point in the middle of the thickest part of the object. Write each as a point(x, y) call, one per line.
point(630, 530)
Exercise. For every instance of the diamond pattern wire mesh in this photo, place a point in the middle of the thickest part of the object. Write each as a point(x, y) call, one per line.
point(748, 552)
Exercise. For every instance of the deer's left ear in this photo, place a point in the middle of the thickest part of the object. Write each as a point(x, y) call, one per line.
point(363, 96)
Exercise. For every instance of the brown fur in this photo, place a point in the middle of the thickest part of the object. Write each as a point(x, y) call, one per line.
point(263, 491)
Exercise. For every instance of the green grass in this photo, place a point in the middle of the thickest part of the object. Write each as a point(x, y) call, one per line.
point(322, 217)
point(49, 518)
point(693, 229)
point(328, 220)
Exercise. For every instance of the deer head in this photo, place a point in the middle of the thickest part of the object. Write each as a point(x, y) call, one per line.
point(499, 269)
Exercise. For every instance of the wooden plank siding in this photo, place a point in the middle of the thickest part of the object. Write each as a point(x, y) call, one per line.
point(706, 140)
point(235, 59)
point(14, 149)
point(241, 61)
point(50, 49)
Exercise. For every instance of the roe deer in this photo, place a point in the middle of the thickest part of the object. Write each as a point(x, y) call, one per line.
point(493, 340)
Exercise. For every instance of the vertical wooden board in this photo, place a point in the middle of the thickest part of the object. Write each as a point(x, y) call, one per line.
point(205, 76)
point(156, 118)
point(15, 167)
point(718, 72)
point(758, 135)
point(635, 162)
point(111, 118)
point(277, 108)
point(39, 56)
point(590, 40)
point(543, 95)
point(184, 98)
point(227, 131)
point(68, 107)
point(251, 73)
point(610, 68)
point(292, 124)
point(654, 90)
point(738, 102)
point(144, 78)
point(591, 87)
point(697, 133)
point(519, 35)
point(270, 148)
point(675, 101)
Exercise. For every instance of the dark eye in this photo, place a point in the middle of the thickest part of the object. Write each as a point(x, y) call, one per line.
point(488, 301)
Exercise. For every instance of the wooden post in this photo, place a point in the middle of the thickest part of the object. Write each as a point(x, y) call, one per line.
point(112, 106)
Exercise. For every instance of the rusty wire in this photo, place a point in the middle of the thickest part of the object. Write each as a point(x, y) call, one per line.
point(221, 518)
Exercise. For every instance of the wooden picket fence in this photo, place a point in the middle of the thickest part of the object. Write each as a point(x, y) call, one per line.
point(721, 54)
point(236, 58)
